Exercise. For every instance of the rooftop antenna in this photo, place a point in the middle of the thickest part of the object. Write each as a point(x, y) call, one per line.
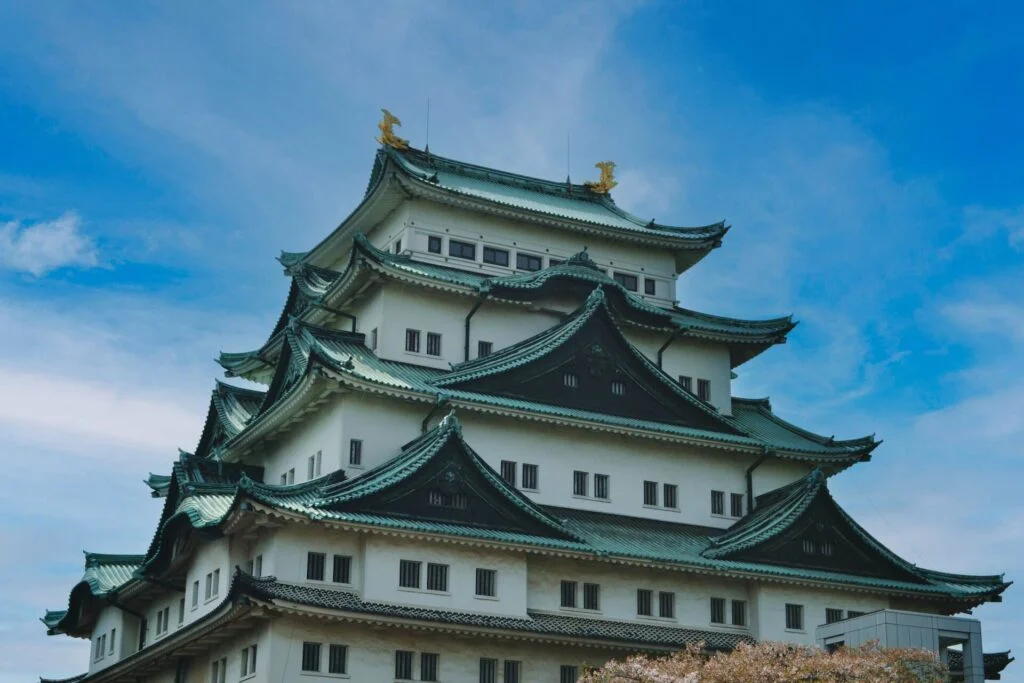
point(426, 147)
point(568, 155)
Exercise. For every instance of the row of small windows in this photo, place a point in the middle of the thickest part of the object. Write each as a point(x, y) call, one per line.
point(591, 594)
point(530, 479)
point(212, 588)
point(812, 547)
point(246, 668)
point(718, 504)
point(314, 463)
point(669, 498)
point(337, 658)
point(316, 567)
point(703, 387)
point(571, 380)
point(100, 648)
point(738, 613)
point(832, 615)
point(410, 575)
point(581, 485)
point(412, 342)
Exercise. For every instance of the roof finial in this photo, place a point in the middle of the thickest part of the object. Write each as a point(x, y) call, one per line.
point(426, 146)
point(568, 160)
point(607, 180)
point(387, 134)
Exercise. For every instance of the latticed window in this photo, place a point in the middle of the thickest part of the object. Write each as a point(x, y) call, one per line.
point(795, 617)
point(528, 262)
point(833, 615)
point(355, 452)
point(810, 547)
point(825, 548)
point(530, 477)
point(670, 496)
point(508, 472)
point(437, 577)
point(315, 563)
point(736, 504)
point(434, 244)
point(513, 671)
point(703, 389)
point(311, 656)
point(484, 348)
point(852, 614)
point(649, 286)
point(337, 659)
point(373, 339)
point(403, 665)
point(650, 493)
point(667, 605)
point(718, 502)
point(433, 344)
point(571, 380)
point(601, 488)
point(342, 569)
point(412, 341)
point(591, 596)
point(686, 383)
point(489, 670)
point(739, 612)
point(579, 483)
point(644, 600)
point(568, 673)
point(717, 610)
point(409, 574)
point(486, 582)
point(618, 387)
point(568, 593)
point(458, 249)
point(429, 665)
point(495, 256)
point(458, 501)
point(626, 280)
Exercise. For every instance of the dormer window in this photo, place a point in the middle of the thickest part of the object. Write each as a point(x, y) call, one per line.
point(571, 380)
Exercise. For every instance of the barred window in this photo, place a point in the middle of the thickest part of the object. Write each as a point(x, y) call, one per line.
point(833, 615)
point(618, 387)
point(412, 340)
point(195, 594)
point(739, 612)
point(409, 574)
point(649, 286)
point(429, 666)
point(571, 380)
point(508, 472)
point(489, 670)
point(342, 569)
point(650, 493)
point(494, 256)
point(810, 547)
point(601, 486)
point(626, 280)
point(718, 502)
point(513, 670)
point(591, 596)
point(795, 617)
point(568, 673)
point(403, 665)
point(373, 339)
point(579, 483)
point(717, 610)
point(667, 605)
point(315, 563)
point(644, 598)
point(311, 656)
point(670, 496)
point(337, 659)
point(568, 593)
point(434, 244)
point(484, 348)
point(528, 262)
point(433, 344)
point(825, 548)
point(703, 389)
point(853, 614)
point(736, 504)
point(530, 477)
point(686, 383)
point(458, 501)
point(466, 250)
point(486, 582)
point(355, 452)
point(437, 577)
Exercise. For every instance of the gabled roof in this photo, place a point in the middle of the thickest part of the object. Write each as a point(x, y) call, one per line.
point(754, 416)
point(104, 575)
point(231, 409)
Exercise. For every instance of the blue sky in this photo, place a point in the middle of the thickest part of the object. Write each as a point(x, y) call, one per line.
point(154, 158)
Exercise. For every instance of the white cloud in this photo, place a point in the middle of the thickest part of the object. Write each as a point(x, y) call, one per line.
point(39, 248)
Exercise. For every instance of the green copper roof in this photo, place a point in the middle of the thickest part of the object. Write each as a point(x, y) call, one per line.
point(104, 575)
point(755, 417)
point(533, 195)
point(72, 679)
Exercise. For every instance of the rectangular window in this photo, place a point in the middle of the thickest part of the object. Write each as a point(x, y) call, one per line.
point(649, 286)
point(513, 671)
point(592, 596)
point(342, 569)
point(403, 665)
point(486, 582)
point(718, 502)
point(833, 615)
point(618, 387)
point(568, 673)
point(736, 504)
point(313, 465)
point(437, 577)
point(528, 262)
point(433, 344)
point(373, 339)
point(508, 472)
point(686, 383)
point(717, 610)
point(257, 566)
point(670, 496)
point(181, 611)
point(568, 594)
point(209, 587)
point(434, 244)
point(458, 249)
point(409, 574)
point(355, 452)
point(601, 488)
point(412, 340)
point(571, 380)
point(216, 582)
point(484, 348)
point(650, 493)
point(195, 594)
point(489, 670)
point(579, 483)
point(795, 617)
point(429, 666)
point(852, 614)
point(703, 389)
point(644, 600)
point(530, 477)
point(248, 662)
point(311, 656)
point(337, 659)
point(284, 479)
point(315, 564)
point(113, 633)
point(398, 246)
point(626, 280)
point(498, 257)
point(218, 670)
point(739, 612)
point(291, 476)
point(666, 605)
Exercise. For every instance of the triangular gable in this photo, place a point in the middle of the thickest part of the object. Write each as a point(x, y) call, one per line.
point(438, 477)
point(801, 525)
point(586, 363)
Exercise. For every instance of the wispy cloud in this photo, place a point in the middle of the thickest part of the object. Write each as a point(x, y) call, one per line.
point(44, 246)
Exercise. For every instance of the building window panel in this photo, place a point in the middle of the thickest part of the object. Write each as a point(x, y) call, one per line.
point(670, 496)
point(853, 614)
point(497, 257)
point(528, 262)
point(484, 348)
point(649, 286)
point(195, 594)
point(794, 617)
point(568, 673)
point(825, 548)
point(650, 493)
point(429, 665)
point(291, 476)
point(409, 573)
point(717, 610)
point(434, 244)
point(315, 563)
point(181, 611)
point(437, 577)
point(489, 670)
point(247, 665)
point(644, 602)
point(218, 670)
point(486, 583)
point(833, 615)
point(739, 612)
point(464, 250)
point(591, 596)
point(601, 487)
point(355, 452)
point(686, 383)
point(568, 594)
point(508, 472)
point(667, 605)
point(311, 656)
point(618, 387)
point(433, 344)
point(403, 665)
point(718, 502)
point(513, 671)
point(342, 569)
point(736, 504)
point(579, 483)
point(703, 389)
point(373, 339)
point(571, 380)
point(626, 280)
point(412, 340)
point(337, 659)
point(530, 477)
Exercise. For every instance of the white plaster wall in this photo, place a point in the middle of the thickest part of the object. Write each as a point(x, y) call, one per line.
point(382, 556)
point(200, 667)
point(319, 430)
point(384, 425)
point(285, 550)
point(407, 307)
point(109, 618)
point(692, 358)
point(769, 603)
point(209, 555)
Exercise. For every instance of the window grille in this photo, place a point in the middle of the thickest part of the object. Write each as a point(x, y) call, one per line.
point(591, 596)
point(649, 286)
point(739, 612)
point(667, 605)
point(601, 486)
point(342, 569)
point(437, 577)
point(717, 610)
point(626, 280)
point(703, 389)
point(579, 483)
point(434, 244)
point(429, 666)
point(458, 249)
point(489, 670)
point(530, 477)
point(650, 493)
point(644, 600)
point(337, 659)
point(315, 563)
point(433, 344)
point(355, 452)
point(718, 502)
point(409, 574)
point(736, 504)
point(403, 665)
point(486, 582)
point(571, 380)
point(508, 472)
point(310, 656)
point(528, 262)
point(497, 257)
point(412, 340)
point(670, 496)
point(795, 617)
point(568, 593)
point(484, 348)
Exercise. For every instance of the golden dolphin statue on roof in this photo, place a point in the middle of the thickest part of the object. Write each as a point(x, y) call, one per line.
point(607, 179)
point(387, 134)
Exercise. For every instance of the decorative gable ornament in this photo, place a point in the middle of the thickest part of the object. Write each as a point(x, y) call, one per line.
point(387, 134)
point(606, 182)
